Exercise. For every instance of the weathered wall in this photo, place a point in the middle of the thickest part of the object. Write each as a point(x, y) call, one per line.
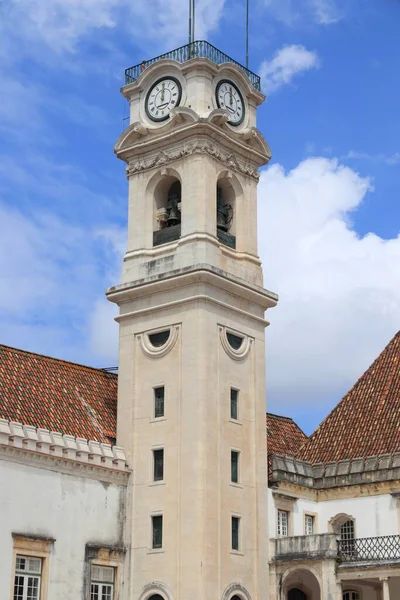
point(74, 510)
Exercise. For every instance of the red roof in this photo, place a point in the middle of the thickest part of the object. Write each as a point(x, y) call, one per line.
point(57, 395)
point(366, 421)
point(82, 401)
point(283, 436)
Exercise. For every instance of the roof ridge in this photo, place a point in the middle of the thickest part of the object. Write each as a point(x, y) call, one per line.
point(59, 360)
point(280, 416)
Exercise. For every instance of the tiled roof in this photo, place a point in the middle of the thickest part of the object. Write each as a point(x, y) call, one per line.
point(367, 420)
point(57, 395)
point(284, 437)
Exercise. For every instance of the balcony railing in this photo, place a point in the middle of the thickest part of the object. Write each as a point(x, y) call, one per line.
point(199, 49)
point(373, 549)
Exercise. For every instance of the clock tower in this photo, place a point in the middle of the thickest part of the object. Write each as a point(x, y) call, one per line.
point(191, 397)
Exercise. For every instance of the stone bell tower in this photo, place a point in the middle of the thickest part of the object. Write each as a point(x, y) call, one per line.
point(191, 397)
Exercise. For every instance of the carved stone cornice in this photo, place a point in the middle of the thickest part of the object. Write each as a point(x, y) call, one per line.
point(165, 157)
point(31, 458)
point(36, 447)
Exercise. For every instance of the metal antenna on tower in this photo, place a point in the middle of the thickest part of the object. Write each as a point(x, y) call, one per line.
point(247, 34)
point(192, 12)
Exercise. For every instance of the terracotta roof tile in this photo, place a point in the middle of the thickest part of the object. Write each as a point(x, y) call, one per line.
point(57, 395)
point(283, 436)
point(367, 420)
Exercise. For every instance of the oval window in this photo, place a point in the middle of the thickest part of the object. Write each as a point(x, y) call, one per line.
point(235, 341)
point(159, 339)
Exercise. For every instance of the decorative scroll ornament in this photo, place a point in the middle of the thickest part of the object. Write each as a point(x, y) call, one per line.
point(158, 351)
point(240, 352)
point(164, 157)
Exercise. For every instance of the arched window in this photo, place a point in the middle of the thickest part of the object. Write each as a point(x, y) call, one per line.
point(226, 213)
point(167, 197)
point(344, 526)
point(351, 595)
point(296, 594)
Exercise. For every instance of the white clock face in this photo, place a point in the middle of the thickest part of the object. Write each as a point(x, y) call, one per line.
point(162, 97)
point(230, 99)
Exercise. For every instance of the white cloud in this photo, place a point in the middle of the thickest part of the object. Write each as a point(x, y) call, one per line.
point(339, 293)
point(295, 13)
point(325, 12)
point(61, 24)
point(388, 159)
point(288, 62)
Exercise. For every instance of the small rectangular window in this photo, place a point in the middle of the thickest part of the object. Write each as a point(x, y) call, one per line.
point(159, 398)
point(235, 533)
point(158, 464)
point(102, 583)
point(308, 524)
point(283, 521)
point(28, 571)
point(234, 466)
point(157, 531)
point(234, 404)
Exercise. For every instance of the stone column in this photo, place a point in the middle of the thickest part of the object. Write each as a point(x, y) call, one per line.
point(385, 588)
point(339, 592)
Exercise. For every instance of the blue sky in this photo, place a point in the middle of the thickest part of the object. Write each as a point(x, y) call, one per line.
point(329, 215)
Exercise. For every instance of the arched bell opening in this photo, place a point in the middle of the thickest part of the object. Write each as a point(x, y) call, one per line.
point(167, 210)
point(226, 213)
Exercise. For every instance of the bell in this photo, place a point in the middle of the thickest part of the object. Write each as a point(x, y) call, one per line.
point(173, 218)
point(221, 220)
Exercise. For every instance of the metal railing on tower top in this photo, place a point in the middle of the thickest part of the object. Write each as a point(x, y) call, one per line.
point(199, 49)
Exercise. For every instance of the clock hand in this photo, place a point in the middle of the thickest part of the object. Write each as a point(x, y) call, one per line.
point(230, 109)
point(162, 105)
point(230, 96)
point(162, 91)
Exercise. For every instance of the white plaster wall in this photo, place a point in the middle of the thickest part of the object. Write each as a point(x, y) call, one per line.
point(374, 515)
point(73, 510)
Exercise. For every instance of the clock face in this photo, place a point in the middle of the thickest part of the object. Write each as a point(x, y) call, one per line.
point(163, 95)
point(230, 99)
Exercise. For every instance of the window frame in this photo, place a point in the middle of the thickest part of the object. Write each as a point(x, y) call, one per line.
point(155, 400)
point(102, 584)
point(30, 546)
point(235, 392)
point(312, 516)
point(156, 465)
point(279, 524)
point(160, 547)
point(235, 468)
point(354, 595)
point(26, 577)
point(236, 519)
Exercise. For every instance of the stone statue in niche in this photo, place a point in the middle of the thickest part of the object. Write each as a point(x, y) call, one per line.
point(224, 212)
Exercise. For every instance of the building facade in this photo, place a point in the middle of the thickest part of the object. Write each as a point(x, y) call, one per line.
point(159, 488)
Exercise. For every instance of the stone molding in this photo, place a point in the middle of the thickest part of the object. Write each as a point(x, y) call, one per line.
point(244, 349)
point(164, 157)
point(236, 589)
point(49, 449)
point(154, 352)
point(372, 469)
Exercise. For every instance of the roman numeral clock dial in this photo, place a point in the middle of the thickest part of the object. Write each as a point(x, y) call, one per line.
point(230, 99)
point(162, 97)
